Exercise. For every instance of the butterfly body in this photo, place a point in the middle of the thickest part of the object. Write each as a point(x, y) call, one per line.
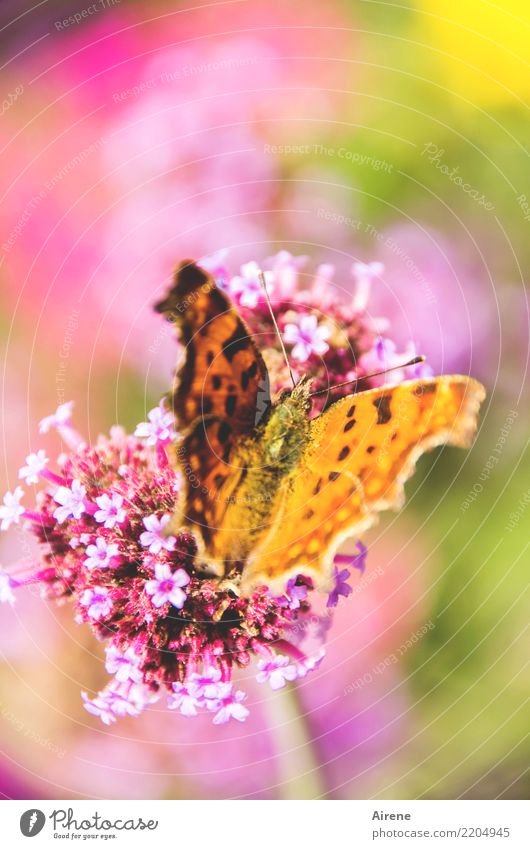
point(287, 430)
point(259, 464)
point(270, 492)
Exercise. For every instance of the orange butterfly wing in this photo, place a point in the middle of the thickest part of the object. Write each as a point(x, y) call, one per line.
point(223, 372)
point(361, 452)
point(220, 394)
point(208, 458)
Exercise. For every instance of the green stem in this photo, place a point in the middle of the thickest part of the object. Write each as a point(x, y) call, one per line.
point(299, 771)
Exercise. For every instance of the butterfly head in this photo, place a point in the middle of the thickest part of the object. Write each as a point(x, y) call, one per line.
point(299, 394)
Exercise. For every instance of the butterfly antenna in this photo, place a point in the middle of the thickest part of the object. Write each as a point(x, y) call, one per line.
point(263, 282)
point(414, 361)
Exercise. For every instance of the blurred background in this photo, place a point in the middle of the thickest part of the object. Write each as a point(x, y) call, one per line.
point(135, 134)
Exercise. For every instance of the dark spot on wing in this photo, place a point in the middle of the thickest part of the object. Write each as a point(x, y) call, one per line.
point(348, 426)
point(216, 381)
point(309, 514)
point(333, 476)
point(210, 356)
point(382, 405)
point(238, 341)
point(317, 487)
point(350, 412)
point(230, 404)
point(224, 432)
point(343, 453)
point(370, 449)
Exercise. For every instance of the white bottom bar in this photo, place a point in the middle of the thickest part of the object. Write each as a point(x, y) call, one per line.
point(267, 825)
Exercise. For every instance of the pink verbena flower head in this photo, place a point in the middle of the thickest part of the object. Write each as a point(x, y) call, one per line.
point(100, 554)
point(277, 671)
point(307, 337)
point(341, 576)
point(101, 706)
point(97, 602)
point(159, 429)
point(228, 705)
point(72, 501)
point(103, 519)
point(356, 560)
point(123, 664)
point(205, 685)
point(295, 593)
point(111, 511)
point(117, 700)
point(166, 588)
point(182, 700)
point(154, 538)
point(11, 510)
point(60, 419)
point(341, 587)
point(35, 465)
point(246, 287)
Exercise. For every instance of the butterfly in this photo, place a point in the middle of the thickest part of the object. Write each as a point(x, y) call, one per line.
point(264, 484)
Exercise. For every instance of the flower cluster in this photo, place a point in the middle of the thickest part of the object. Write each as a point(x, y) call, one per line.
point(103, 518)
point(328, 338)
